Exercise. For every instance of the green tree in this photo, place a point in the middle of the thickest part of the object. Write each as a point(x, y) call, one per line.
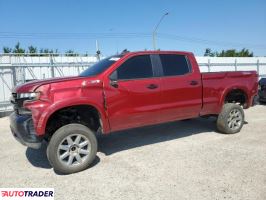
point(208, 52)
point(7, 50)
point(71, 53)
point(32, 50)
point(18, 49)
point(245, 53)
point(222, 54)
point(229, 53)
point(56, 52)
point(44, 52)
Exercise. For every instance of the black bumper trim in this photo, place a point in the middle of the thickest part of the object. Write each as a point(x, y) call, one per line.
point(262, 96)
point(22, 129)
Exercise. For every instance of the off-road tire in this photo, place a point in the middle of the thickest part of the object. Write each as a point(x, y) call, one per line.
point(56, 142)
point(227, 119)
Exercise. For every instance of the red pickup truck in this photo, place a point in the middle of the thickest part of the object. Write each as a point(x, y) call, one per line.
point(120, 92)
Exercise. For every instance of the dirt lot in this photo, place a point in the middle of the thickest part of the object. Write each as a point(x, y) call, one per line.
point(181, 160)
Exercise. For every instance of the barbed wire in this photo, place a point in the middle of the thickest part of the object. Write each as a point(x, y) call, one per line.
point(125, 35)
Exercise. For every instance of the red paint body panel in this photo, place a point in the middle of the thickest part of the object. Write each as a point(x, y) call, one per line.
point(79, 91)
point(32, 85)
point(132, 104)
point(217, 85)
point(180, 99)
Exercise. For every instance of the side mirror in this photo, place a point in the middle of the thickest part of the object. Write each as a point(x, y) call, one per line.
point(113, 79)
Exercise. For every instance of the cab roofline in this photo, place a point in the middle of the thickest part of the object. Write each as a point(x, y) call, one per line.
point(155, 52)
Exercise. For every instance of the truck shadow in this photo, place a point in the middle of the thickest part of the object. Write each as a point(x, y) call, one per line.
point(124, 140)
point(129, 139)
point(37, 157)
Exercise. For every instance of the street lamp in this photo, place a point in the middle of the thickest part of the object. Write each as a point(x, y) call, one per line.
point(155, 29)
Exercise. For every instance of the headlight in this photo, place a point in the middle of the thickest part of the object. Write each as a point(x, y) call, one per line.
point(259, 87)
point(28, 96)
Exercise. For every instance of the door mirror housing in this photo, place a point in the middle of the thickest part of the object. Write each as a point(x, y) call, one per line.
point(113, 79)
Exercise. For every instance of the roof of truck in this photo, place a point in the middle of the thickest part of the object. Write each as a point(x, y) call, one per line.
point(158, 52)
point(125, 52)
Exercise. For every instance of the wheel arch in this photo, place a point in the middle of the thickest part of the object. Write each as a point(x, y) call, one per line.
point(235, 95)
point(55, 108)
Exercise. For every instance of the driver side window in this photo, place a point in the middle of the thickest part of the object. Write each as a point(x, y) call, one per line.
point(136, 67)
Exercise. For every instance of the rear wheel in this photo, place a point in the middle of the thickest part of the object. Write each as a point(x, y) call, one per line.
point(231, 118)
point(72, 148)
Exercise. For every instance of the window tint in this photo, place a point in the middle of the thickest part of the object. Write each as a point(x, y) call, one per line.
point(174, 64)
point(136, 67)
point(100, 66)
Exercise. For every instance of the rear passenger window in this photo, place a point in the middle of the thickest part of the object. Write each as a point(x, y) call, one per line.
point(135, 68)
point(174, 64)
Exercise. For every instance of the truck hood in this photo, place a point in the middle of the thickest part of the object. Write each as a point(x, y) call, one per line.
point(32, 85)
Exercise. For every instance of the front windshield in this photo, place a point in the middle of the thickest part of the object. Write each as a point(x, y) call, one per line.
point(100, 66)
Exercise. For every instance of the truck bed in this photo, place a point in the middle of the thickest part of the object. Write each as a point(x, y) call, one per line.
point(214, 83)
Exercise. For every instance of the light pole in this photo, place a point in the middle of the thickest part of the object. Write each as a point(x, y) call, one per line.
point(155, 29)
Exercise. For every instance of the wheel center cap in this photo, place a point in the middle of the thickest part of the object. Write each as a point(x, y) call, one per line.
point(73, 149)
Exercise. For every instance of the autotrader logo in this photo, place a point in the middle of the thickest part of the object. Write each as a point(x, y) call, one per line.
point(27, 193)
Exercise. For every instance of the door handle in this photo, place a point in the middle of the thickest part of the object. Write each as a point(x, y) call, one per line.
point(152, 86)
point(194, 82)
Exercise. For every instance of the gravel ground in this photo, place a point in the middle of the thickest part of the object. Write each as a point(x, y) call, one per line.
point(181, 160)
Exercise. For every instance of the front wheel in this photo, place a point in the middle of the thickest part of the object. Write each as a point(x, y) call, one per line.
point(72, 148)
point(231, 118)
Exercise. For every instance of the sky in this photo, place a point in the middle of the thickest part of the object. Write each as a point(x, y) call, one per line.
point(122, 24)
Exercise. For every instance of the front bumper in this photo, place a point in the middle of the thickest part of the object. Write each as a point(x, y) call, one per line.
point(22, 129)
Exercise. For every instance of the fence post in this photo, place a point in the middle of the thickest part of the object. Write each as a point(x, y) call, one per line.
point(235, 64)
point(258, 67)
point(14, 75)
point(209, 65)
point(52, 65)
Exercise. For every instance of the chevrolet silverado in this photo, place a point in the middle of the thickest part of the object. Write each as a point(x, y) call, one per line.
point(120, 92)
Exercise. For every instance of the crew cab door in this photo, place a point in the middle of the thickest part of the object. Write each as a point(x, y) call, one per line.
point(181, 88)
point(132, 94)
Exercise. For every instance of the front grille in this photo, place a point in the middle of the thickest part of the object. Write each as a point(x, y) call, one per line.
point(13, 98)
point(17, 103)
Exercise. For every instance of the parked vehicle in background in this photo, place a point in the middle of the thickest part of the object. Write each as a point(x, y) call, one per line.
point(262, 90)
point(125, 91)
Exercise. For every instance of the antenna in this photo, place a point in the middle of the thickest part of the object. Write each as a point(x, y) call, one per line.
point(97, 46)
point(98, 52)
